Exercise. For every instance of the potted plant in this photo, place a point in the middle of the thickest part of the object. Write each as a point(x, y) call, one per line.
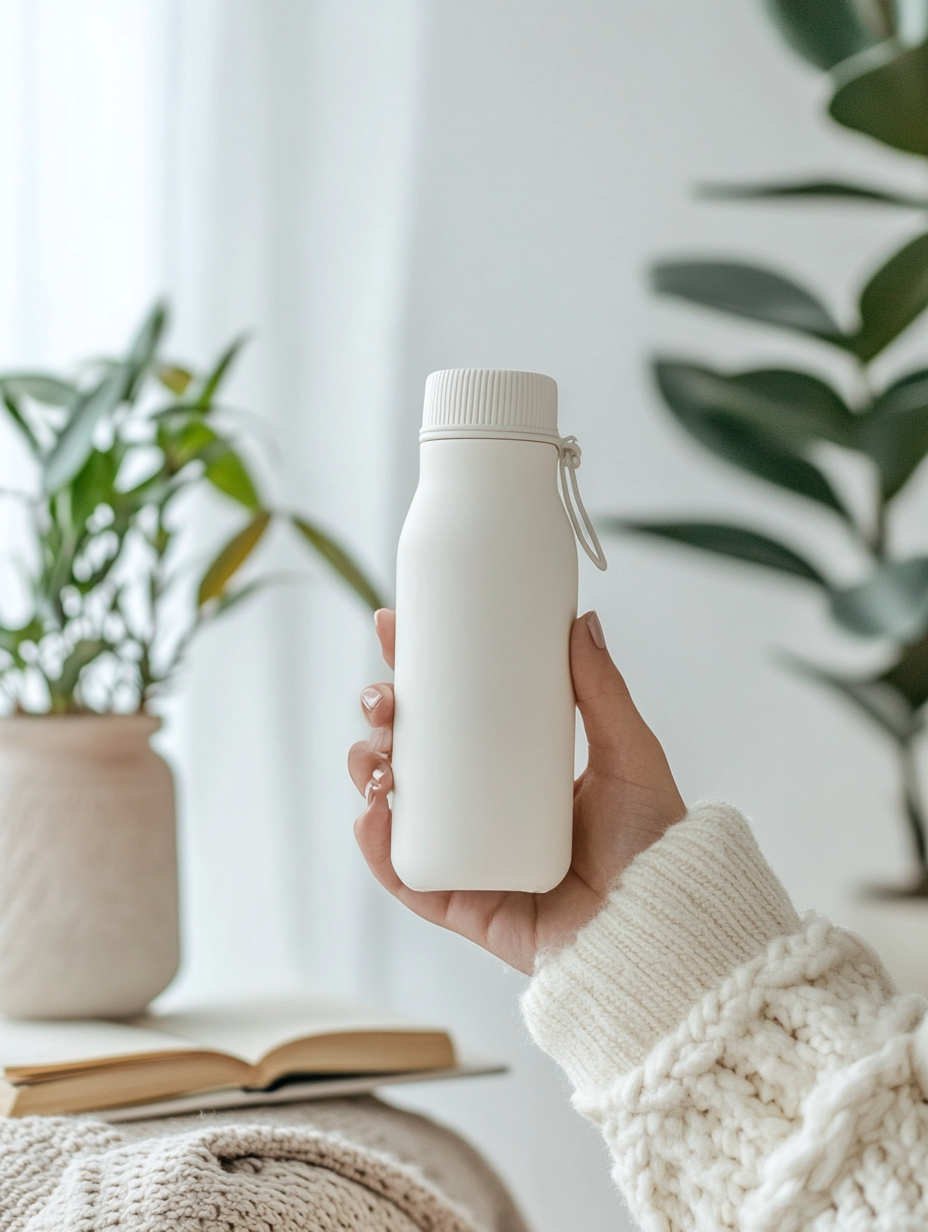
point(88, 880)
point(771, 422)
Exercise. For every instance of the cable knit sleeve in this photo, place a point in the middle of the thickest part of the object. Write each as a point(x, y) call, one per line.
point(750, 1070)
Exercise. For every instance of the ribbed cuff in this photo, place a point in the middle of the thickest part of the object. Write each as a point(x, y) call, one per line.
point(686, 912)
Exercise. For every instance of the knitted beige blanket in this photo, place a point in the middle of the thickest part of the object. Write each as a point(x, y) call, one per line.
point(353, 1165)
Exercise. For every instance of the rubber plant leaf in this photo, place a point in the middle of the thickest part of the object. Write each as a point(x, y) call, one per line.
point(232, 556)
point(825, 32)
point(909, 674)
point(830, 190)
point(895, 432)
point(341, 562)
point(748, 291)
point(794, 407)
point(893, 298)
point(746, 447)
point(889, 102)
point(877, 699)
point(892, 603)
point(71, 450)
point(735, 542)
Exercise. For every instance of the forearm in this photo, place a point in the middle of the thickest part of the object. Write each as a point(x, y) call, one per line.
point(739, 1060)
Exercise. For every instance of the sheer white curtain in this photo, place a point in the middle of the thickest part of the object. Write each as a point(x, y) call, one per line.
point(379, 188)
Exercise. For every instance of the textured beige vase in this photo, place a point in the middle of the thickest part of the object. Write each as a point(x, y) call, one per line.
point(88, 866)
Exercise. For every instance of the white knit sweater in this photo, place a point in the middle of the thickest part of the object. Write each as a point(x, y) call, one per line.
point(749, 1069)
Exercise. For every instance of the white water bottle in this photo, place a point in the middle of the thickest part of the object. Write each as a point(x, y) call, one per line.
point(486, 591)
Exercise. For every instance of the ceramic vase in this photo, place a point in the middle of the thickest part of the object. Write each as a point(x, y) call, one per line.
point(88, 866)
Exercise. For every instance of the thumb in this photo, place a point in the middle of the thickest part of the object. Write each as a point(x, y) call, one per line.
point(612, 723)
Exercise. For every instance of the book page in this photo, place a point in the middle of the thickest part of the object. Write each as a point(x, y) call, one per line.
point(28, 1045)
point(251, 1029)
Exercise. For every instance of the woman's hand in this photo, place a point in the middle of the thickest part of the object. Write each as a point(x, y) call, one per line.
point(623, 801)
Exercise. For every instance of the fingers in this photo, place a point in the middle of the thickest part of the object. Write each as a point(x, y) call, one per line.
point(378, 703)
point(362, 762)
point(610, 718)
point(372, 831)
point(385, 626)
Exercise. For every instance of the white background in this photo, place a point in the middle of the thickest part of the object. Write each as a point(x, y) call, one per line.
point(380, 188)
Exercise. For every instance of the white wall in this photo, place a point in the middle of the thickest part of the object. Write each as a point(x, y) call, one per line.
point(382, 189)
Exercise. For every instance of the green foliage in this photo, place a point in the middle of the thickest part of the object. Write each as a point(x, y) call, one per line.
point(110, 617)
point(890, 101)
point(826, 32)
point(773, 423)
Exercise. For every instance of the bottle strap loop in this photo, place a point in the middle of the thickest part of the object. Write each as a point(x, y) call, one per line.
point(569, 454)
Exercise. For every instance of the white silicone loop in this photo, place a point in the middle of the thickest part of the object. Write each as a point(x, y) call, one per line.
point(568, 461)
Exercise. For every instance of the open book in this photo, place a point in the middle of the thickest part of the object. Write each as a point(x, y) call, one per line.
point(81, 1066)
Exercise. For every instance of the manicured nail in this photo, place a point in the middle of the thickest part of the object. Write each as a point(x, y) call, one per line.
point(371, 698)
point(377, 778)
point(596, 631)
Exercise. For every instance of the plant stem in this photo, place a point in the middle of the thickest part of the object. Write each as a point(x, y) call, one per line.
point(915, 814)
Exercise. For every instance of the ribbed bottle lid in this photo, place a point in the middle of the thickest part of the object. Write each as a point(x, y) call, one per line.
point(490, 402)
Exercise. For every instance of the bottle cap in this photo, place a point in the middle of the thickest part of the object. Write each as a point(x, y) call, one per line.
point(490, 402)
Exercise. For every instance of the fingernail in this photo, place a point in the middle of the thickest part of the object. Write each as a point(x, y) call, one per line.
point(371, 698)
point(377, 778)
point(596, 631)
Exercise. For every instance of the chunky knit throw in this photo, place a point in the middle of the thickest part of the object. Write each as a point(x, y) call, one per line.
point(750, 1070)
point(340, 1166)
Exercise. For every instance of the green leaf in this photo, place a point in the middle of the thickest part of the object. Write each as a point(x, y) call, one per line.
point(341, 562)
point(41, 387)
point(174, 378)
point(142, 350)
point(231, 558)
point(794, 407)
point(877, 699)
point(825, 32)
point(909, 674)
point(228, 474)
point(748, 291)
point(218, 374)
point(12, 639)
point(832, 190)
point(895, 432)
point(194, 440)
point(746, 447)
point(94, 485)
point(22, 423)
point(733, 541)
point(893, 602)
point(83, 654)
point(893, 298)
point(73, 446)
point(889, 102)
